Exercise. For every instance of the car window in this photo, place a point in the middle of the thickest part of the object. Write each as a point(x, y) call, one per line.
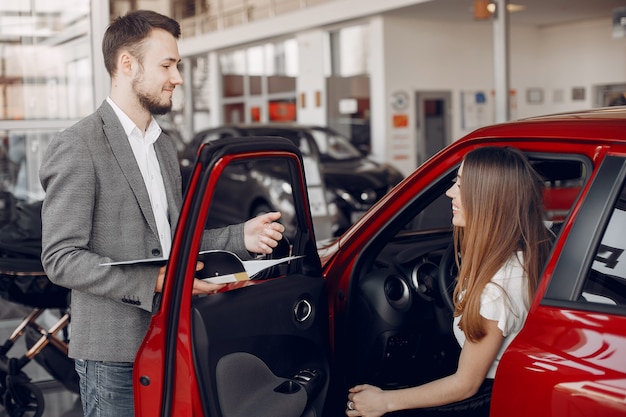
point(252, 187)
point(304, 146)
point(296, 136)
point(563, 177)
point(606, 280)
point(211, 136)
point(249, 188)
point(334, 146)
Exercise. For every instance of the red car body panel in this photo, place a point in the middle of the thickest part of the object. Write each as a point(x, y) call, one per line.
point(564, 363)
point(150, 373)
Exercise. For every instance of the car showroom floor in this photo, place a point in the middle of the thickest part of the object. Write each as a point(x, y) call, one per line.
point(58, 401)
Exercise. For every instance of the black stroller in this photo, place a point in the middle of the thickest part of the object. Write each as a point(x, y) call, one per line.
point(23, 281)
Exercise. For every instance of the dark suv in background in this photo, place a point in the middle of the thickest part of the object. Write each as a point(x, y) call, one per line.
point(353, 182)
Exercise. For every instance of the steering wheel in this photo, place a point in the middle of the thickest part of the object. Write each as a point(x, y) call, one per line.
point(447, 276)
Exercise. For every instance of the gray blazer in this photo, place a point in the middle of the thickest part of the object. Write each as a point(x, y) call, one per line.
point(97, 210)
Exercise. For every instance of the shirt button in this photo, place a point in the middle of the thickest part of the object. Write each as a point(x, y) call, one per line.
point(156, 252)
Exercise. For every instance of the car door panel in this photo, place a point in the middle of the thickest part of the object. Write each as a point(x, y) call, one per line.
point(258, 350)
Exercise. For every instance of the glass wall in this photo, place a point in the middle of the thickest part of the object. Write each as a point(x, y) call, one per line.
point(46, 68)
point(46, 84)
point(259, 83)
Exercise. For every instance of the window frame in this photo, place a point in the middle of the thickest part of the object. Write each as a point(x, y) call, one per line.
point(576, 258)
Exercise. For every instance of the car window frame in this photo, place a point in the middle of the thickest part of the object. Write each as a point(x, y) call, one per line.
point(576, 257)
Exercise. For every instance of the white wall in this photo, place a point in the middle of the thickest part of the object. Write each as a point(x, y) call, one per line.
point(458, 57)
point(430, 56)
point(579, 55)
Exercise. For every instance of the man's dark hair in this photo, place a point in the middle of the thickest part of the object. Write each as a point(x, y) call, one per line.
point(130, 31)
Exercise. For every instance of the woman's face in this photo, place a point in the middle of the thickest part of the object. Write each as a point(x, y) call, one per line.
point(454, 192)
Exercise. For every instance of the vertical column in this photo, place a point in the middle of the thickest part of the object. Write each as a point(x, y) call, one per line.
point(311, 78)
point(501, 60)
point(216, 106)
point(188, 102)
point(380, 56)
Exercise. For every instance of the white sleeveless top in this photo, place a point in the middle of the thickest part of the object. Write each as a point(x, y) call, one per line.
point(504, 301)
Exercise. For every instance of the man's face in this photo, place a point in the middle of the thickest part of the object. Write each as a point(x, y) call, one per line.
point(157, 75)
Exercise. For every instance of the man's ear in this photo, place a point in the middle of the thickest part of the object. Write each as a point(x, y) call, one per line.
point(125, 63)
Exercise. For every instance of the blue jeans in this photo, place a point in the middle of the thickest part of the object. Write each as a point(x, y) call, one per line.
point(106, 388)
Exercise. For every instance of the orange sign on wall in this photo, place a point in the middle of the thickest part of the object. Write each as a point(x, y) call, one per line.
point(282, 111)
point(400, 120)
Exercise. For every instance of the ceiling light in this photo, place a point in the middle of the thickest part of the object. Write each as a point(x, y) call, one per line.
point(485, 9)
point(512, 8)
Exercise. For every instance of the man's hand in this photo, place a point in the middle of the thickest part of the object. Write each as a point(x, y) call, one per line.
point(199, 286)
point(203, 287)
point(262, 233)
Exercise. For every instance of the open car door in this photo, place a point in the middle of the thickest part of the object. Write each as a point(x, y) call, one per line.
point(260, 346)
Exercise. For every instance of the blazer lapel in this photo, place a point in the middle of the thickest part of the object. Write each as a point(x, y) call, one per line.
point(122, 151)
point(168, 172)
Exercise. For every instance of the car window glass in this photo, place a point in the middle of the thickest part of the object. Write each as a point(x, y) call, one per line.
point(295, 136)
point(304, 146)
point(606, 280)
point(211, 136)
point(334, 146)
point(563, 178)
point(248, 188)
point(251, 187)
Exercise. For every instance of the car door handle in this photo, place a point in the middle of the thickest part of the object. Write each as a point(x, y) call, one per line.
point(302, 310)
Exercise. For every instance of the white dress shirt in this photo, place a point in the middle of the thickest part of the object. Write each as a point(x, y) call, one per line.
point(143, 149)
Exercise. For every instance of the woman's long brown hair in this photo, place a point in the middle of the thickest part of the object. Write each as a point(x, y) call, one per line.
point(502, 201)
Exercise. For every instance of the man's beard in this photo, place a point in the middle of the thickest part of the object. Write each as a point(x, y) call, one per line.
point(152, 105)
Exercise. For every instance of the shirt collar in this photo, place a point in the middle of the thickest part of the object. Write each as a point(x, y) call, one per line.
point(130, 128)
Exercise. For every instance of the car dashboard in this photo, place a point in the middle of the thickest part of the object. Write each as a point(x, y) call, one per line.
point(401, 327)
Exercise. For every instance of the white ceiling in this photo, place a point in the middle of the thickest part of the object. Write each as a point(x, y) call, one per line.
point(536, 12)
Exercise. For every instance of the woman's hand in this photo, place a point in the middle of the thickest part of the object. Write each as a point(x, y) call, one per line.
point(366, 401)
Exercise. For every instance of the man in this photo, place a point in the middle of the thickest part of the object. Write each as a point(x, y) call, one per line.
point(113, 193)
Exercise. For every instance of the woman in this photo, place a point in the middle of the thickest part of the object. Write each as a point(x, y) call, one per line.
point(497, 208)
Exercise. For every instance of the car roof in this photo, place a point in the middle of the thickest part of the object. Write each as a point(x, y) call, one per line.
point(269, 126)
point(600, 125)
point(273, 125)
point(607, 124)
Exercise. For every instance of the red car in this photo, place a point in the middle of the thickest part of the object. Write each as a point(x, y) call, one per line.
point(374, 306)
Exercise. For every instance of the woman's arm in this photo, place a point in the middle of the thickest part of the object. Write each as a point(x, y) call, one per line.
point(474, 363)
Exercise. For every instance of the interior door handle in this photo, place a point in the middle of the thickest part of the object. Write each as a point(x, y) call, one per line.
point(302, 310)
